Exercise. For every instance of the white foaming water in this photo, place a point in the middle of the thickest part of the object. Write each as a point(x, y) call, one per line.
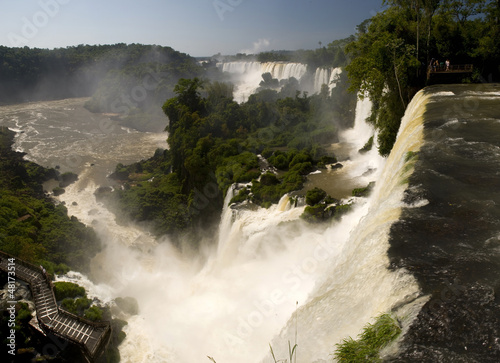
point(279, 70)
point(362, 131)
point(248, 75)
point(360, 169)
point(328, 76)
point(228, 307)
point(357, 284)
point(231, 300)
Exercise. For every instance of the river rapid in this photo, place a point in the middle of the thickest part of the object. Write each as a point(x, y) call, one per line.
point(423, 246)
point(218, 300)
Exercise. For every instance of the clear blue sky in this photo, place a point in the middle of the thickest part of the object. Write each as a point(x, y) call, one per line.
point(196, 27)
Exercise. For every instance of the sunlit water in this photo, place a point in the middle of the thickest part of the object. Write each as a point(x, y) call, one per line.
point(266, 278)
point(247, 76)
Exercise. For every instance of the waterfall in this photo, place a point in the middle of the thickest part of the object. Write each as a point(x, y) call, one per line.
point(438, 216)
point(240, 67)
point(284, 70)
point(279, 70)
point(362, 131)
point(248, 75)
point(449, 233)
point(321, 77)
point(356, 284)
point(328, 76)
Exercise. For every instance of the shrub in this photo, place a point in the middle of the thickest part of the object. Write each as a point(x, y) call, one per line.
point(363, 192)
point(302, 157)
point(241, 196)
point(267, 152)
point(23, 314)
point(340, 210)
point(302, 168)
point(248, 176)
point(314, 214)
point(64, 290)
point(279, 161)
point(58, 191)
point(94, 313)
point(268, 179)
point(314, 196)
point(325, 160)
point(368, 146)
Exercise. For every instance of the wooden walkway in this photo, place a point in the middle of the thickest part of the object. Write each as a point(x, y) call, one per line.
point(90, 336)
point(451, 70)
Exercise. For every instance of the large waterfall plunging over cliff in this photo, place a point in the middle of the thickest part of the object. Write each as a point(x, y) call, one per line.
point(248, 75)
point(230, 300)
point(424, 245)
point(451, 244)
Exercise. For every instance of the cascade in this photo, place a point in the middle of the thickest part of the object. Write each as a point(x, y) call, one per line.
point(449, 234)
point(248, 75)
point(328, 76)
point(279, 70)
point(334, 76)
point(321, 77)
point(356, 284)
point(282, 70)
point(240, 67)
point(233, 299)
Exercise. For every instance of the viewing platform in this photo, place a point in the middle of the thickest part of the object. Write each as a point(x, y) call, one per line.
point(91, 337)
point(452, 72)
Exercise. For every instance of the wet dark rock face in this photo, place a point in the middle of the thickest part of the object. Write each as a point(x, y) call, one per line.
point(451, 243)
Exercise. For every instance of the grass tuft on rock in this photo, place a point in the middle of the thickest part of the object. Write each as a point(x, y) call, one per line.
point(370, 342)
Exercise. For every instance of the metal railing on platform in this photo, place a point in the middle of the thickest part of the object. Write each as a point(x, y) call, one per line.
point(33, 277)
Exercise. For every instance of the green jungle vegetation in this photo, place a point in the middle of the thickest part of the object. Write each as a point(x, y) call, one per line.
point(24, 340)
point(331, 55)
point(322, 207)
point(42, 74)
point(32, 227)
point(214, 142)
point(392, 50)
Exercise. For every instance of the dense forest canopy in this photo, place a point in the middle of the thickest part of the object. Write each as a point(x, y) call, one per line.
point(32, 227)
point(333, 55)
point(214, 142)
point(391, 52)
point(39, 74)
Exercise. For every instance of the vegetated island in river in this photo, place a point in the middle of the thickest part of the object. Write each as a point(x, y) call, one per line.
point(214, 142)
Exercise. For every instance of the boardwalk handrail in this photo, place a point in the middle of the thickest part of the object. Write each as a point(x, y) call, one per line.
point(105, 327)
point(452, 68)
point(455, 68)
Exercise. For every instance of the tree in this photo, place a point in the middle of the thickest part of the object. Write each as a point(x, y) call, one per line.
point(383, 68)
point(402, 56)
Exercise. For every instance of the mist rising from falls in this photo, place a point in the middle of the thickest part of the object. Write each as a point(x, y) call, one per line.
point(229, 301)
point(356, 284)
point(232, 299)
